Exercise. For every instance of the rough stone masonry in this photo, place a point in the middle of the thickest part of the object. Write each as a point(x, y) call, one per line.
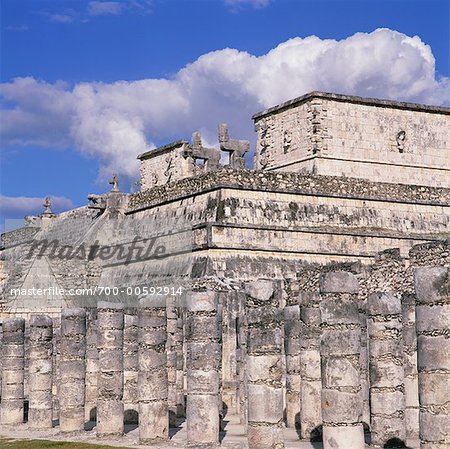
point(314, 300)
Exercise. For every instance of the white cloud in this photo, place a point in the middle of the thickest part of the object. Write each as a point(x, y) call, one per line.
point(97, 8)
point(13, 207)
point(117, 121)
point(62, 18)
point(242, 3)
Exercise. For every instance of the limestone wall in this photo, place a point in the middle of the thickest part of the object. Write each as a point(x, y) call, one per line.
point(165, 164)
point(357, 137)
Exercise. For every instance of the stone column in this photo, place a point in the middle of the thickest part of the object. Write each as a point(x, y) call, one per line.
point(203, 363)
point(410, 366)
point(229, 350)
point(432, 287)
point(172, 327)
point(72, 370)
point(12, 409)
point(152, 377)
point(292, 351)
point(340, 359)
point(56, 365)
point(310, 370)
point(130, 369)
point(241, 356)
point(40, 414)
point(110, 369)
point(179, 345)
point(91, 365)
point(387, 398)
point(264, 365)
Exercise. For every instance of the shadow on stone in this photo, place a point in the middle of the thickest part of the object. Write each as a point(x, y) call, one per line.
point(130, 416)
point(177, 428)
point(395, 443)
point(26, 407)
point(93, 414)
point(316, 436)
point(367, 434)
point(297, 425)
point(89, 425)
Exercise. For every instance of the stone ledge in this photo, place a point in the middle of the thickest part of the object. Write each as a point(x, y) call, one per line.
point(352, 99)
point(285, 182)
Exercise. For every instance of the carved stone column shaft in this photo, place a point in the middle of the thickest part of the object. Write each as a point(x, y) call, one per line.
point(40, 414)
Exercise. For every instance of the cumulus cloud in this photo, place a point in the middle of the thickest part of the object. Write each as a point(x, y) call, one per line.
point(14, 207)
point(115, 122)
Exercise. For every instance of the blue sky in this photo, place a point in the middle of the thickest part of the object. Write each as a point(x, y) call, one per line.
point(87, 85)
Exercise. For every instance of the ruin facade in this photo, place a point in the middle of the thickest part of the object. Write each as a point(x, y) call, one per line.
point(314, 298)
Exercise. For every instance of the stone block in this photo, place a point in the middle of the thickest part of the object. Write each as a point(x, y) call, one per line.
point(383, 303)
point(203, 355)
point(261, 290)
point(310, 365)
point(347, 437)
point(339, 311)
point(264, 340)
point(110, 417)
point(340, 372)
point(434, 388)
point(205, 301)
point(385, 374)
point(387, 402)
point(433, 353)
point(341, 407)
point(268, 368)
point(202, 413)
point(432, 318)
point(340, 342)
point(431, 283)
point(203, 382)
point(265, 404)
point(265, 437)
point(153, 422)
point(434, 427)
point(338, 282)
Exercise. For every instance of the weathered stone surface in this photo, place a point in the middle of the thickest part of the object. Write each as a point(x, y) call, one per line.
point(40, 413)
point(202, 364)
point(110, 407)
point(72, 370)
point(12, 394)
point(152, 377)
point(338, 282)
point(433, 354)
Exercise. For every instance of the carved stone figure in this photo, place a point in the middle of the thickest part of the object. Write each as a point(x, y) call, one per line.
point(401, 137)
point(196, 150)
point(115, 183)
point(236, 148)
point(287, 140)
point(169, 170)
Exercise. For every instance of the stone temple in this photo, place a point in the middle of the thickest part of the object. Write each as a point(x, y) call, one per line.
point(303, 303)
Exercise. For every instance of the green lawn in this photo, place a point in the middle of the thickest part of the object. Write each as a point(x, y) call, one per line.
point(6, 443)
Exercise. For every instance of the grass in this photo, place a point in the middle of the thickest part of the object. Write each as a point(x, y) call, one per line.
point(7, 443)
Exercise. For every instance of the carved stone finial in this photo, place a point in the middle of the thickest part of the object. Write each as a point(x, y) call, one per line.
point(196, 150)
point(47, 208)
point(236, 148)
point(115, 183)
